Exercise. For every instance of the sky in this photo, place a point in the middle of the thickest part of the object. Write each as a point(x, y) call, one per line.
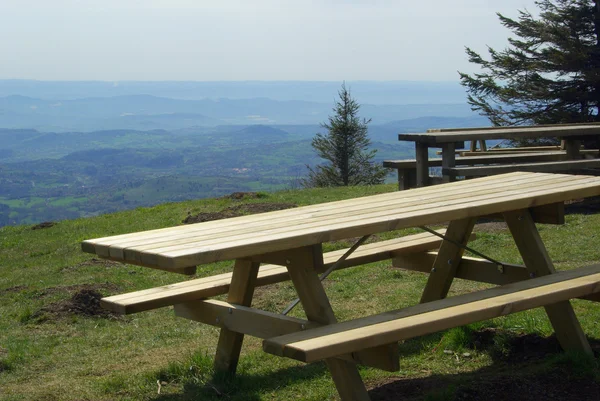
point(232, 40)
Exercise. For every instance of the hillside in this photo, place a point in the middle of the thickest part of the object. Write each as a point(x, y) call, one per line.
point(55, 344)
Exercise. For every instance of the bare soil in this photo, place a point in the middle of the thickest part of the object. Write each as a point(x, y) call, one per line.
point(84, 301)
point(242, 195)
point(45, 224)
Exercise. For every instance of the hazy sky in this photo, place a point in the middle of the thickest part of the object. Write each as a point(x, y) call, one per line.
point(247, 39)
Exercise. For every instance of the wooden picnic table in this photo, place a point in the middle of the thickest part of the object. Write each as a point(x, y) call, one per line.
point(448, 139)
point(293, 239)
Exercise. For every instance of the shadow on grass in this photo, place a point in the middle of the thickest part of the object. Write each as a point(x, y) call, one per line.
point(245, 387)
point(525, 367)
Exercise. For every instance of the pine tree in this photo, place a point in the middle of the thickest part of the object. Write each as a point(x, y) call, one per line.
point(345, 148)
point(549, 73)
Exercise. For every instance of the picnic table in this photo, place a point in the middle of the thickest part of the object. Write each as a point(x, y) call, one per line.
point(448, 140)
point(290, 241)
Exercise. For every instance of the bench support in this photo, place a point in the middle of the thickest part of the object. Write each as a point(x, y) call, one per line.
point(303, 272)
point(538, 263)
point(422, 157)
point(448, 160)
point(241, 291)
point(447, 260)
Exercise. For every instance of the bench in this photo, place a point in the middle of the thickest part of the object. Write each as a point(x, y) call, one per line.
point(342, 338)
point(407, 169)
point(546, 167)
point(206, 287)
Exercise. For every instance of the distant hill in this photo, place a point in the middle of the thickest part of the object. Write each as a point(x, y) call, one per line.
point(143, 112)
point(367, 92)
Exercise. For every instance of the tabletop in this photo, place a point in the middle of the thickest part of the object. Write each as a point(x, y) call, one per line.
point(196, 244)
point(436, 138)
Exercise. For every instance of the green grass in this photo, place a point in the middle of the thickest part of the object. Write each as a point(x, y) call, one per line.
point(48, 357)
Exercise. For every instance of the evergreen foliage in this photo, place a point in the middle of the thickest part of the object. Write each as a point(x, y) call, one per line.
point(549, 73)
point(345, 148)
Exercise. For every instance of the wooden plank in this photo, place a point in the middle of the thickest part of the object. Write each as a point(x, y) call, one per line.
point(435, 139)
point(546, 167)
point(241, 319)
point(474, 269)
point(317, 308)
point(222, 227)
point(352, 211)
point(262, 324)
point(525, 152)
point(413, 200)
point(324, 342)
point(447, 260)
point(489, 158)
point(199, 251)
point(568, 330)
point(514, 127)
point(379, 213)
point(240, 292)
point(207, 287)
point(386, 213)
point(422, 166)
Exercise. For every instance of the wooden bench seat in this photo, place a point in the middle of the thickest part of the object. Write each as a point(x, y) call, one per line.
point(407, 169)
point(354, 335)
point(546, 167)
point(206, 287)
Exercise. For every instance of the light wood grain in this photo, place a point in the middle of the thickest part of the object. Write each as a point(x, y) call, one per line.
point(241, 289)
point(447, 260)
point(207, 287)
point(535, 256)
point(325, 342)
point(317, 308)
point(191, 246)
point(262, 324)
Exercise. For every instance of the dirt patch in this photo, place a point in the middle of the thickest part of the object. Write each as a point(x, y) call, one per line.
point(243, 195)
point(491, 227)
point(16, 288)
point(348, 242)
point(84, 301)
point(45, 224)
point(236, 211)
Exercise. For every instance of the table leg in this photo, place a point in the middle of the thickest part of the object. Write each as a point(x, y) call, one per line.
point(538, 263)
point(447, 260)
point(572, 146)
point(302, 267)
point(241, 290)
point(422, 158)
point(448, 160)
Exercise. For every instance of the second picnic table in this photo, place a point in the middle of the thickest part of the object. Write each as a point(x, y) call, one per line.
point(290, 240)
point(448, 139)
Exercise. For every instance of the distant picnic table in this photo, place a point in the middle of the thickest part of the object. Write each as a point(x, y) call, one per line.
point(490, 162)
point(288, 244)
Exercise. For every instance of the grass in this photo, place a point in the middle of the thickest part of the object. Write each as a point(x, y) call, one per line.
point(49, 356)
